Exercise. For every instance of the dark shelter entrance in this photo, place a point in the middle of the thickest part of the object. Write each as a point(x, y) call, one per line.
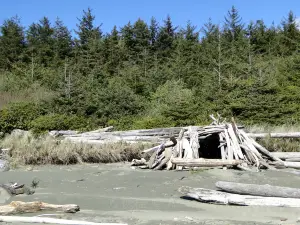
point(209, 147)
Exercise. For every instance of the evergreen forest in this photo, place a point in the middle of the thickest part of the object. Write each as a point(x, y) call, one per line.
point(146, 75)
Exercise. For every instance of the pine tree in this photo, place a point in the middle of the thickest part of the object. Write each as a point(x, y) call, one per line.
point(291, 34)
point(233, 25)
point(127, 37)
point(41, 42)
point(12, 42)
point(190, 34)
point(62, 41)
point(141, 36)
point(166, 37)
point(87, 31)
point(153, 33)
point(113, 54)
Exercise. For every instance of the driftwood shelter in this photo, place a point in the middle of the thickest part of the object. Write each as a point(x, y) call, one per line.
point(219, 144)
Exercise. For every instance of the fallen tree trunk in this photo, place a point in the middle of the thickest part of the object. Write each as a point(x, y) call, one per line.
point(16, 207)
point(275, 135)
point(295, 165)
point(285, 155)
point(204, 162)
point(265, 151)
point(292, 159)
point(218, 197)
point(22, 219)
point(258, 190)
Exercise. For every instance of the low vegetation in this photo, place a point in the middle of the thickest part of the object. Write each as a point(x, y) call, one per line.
point(277, 144)
point(29, 149)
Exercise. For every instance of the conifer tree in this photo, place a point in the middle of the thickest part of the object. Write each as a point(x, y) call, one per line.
point(12, 42)
point(87, 31)
point(41, 41)
point(62, 41)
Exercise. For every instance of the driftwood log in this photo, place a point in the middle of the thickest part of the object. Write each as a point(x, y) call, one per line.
point(34, 219)
point(292, 160)
point(275, 135)
point(204, 162)
point(258, 190)
point(17, 207)
point(218, 197)
point(295, 165)
point(286, 155)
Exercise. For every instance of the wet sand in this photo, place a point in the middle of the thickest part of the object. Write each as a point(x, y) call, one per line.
point(118, 193)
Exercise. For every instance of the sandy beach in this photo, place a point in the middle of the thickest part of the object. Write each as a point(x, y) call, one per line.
point(118, 193)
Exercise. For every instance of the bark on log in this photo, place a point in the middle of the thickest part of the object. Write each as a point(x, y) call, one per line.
point(16, 207)
point(258, 190)
point(218, 197)
point(205, 162)
point(285, 155)
point(23, 219)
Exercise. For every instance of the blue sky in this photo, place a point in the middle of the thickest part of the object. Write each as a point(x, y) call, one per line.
point(119, 12)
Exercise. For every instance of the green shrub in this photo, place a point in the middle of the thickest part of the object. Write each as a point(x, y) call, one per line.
point(150, 122)
point(123, 123)
point(60, 122)
point(19, 116)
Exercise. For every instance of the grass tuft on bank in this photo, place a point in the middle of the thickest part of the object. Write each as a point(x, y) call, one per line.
point(28, 149)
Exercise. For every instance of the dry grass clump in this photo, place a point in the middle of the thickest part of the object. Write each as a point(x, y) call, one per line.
point(281, 144)
point(27, 149)
point(285, 128)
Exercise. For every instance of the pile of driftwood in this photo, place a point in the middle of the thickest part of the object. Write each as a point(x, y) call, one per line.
point(230, 193)
point(179, 147)
point(236, 147)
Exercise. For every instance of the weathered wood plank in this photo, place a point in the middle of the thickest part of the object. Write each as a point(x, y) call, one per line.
point(286, 155)
point(205, 162)
point(218, 197)
point(258, 190)
point(275, 135)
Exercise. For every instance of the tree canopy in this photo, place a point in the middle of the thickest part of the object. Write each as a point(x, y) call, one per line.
point(153, 74)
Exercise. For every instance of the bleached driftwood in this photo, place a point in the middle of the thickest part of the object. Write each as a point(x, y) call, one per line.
point(295, 165)
point(194, 141)
point(62, 132)
point(286, 155)
point(138, 162)
point(292, 160)
point(165, 159)
point(223, 155)
point(204, 162)
point(258, 190)
point(265, 151)
point(275, 135)
point(188, 151)
point(105, 129)
point(22, 219)
point(172, 142)
point(218, 197)
point(179, 149)
point(16, 207)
